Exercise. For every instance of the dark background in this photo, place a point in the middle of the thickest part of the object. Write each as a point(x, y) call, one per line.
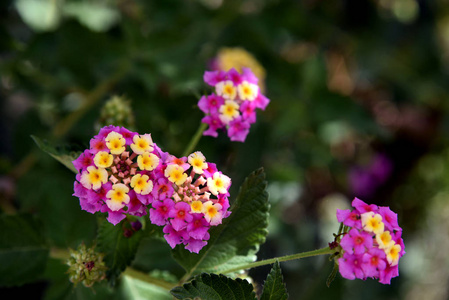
point(358, 107)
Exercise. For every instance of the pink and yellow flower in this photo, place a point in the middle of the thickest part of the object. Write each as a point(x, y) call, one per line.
point(368, 247)
point(118, 197)
point(233, 106)
point(124, 173)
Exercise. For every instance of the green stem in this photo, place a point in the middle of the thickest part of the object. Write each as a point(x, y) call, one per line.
point(195, 139)
point(147, 278)
point(322, 251)
point(58, 253)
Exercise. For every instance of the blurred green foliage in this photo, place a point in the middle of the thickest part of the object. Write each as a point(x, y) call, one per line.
point(347, 80)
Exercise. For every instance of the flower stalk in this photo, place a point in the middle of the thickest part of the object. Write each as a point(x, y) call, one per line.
point(195, 139)
point(322, 251)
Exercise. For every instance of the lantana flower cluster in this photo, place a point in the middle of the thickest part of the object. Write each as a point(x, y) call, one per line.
point(233, 105)
point(372, 246)
point(124, 173)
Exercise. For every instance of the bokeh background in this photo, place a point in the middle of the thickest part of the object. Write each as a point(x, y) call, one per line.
point(359, 107)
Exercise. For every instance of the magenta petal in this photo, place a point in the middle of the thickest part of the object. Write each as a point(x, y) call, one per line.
point(178, 224)
point(249, 76)
point(127, 135)
point(342, 214)
point(261, 101)
point(373, 262)
point(89, 207)
point(363, 207)
point(213, 77)
point(115, 217)
point(238, 130)
point(389, 272)
point(195, 245)
point(389, 218)
point(83, 161)
point(203, 105)
point(106, 130)
point(160, 211)
point(234, 76)
point(198, 227)
point(172, 236)
point(345, 269)
point(350, 266)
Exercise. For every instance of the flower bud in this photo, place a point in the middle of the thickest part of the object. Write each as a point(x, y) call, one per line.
point(116, 111)
point(86, 266)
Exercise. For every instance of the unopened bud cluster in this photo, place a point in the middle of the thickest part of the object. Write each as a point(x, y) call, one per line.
point(117, 111)
point(86, 266)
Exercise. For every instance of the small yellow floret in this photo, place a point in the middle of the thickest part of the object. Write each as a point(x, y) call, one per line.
point(228, 111)
point(372, 222)
point(226, 89)
point(219, 183)
point(115, 142)
point(142, 143)
point(117, 197)
point(147, 161)
point(212, 212)
point(175, 174)
point(141, 184)
point(247, 91)
point(103, 159)
point(393, 254)
point(93, 178)
point(197, 161)
point(196, 206)
point(384, 240)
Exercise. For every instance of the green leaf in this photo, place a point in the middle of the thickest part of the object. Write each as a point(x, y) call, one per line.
point(64, 157)
point(135, 289)
point(237, 240)
point(63, 289)
point(274, 287)
point(332, 275)
point(46, 190)
point(119, 250)
point(154, 253)
point(96, 16)
point(215, 287)
point(23, 253)
point(40, 15)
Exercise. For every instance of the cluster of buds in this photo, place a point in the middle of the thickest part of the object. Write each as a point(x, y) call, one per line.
point(233, 105)
point(117, 111)
point(124, 173)
point(372, 244)
point(86, 266)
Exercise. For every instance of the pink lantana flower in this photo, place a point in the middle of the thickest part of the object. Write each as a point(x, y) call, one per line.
point(371, 245)
point(124, 173)
point(232, 106)
point(356, 242)
point(115, 177)
point(180, 216)
point(238, 130)
point(200, 195)
point(374, 262)
point(159, 212)
point(350, 266)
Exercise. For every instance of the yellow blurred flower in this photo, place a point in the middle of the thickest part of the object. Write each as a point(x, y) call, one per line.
point(238, 58)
